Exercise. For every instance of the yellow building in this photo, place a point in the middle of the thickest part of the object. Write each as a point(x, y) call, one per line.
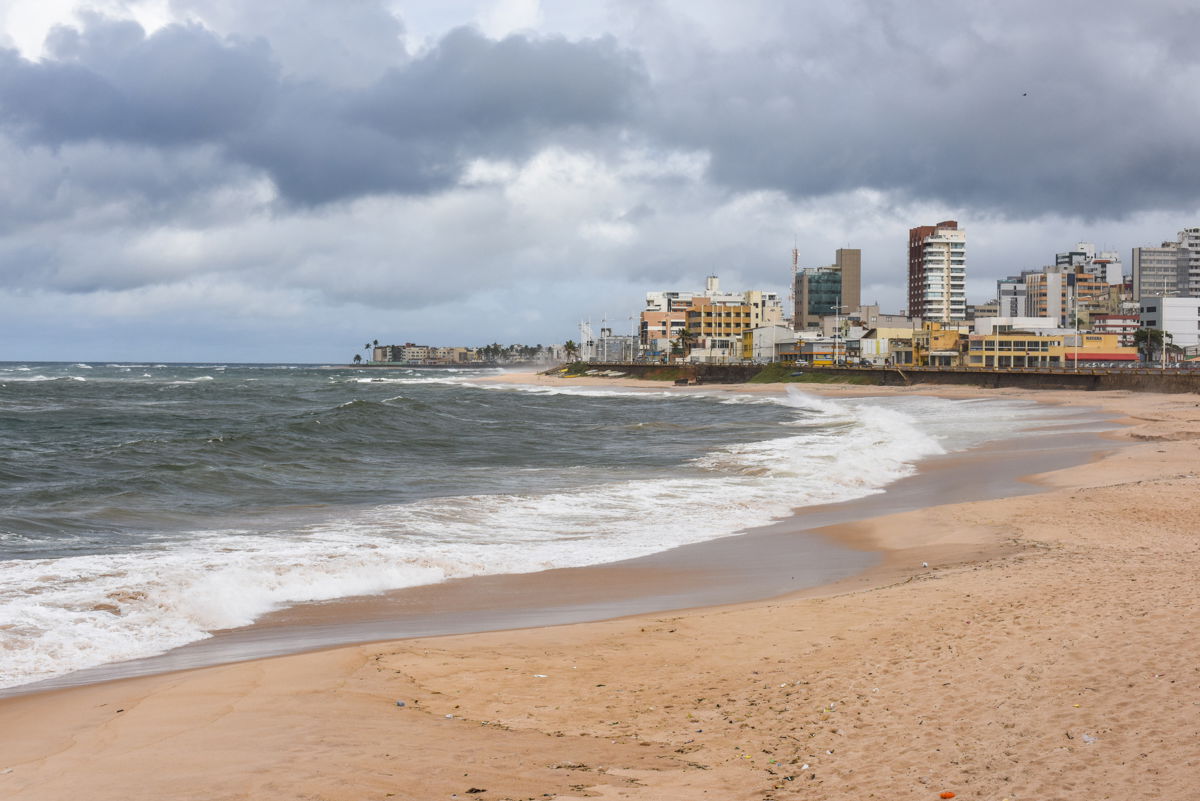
point(717, 328)
point(939, 344)
point(708, 319)
point(1020, 349)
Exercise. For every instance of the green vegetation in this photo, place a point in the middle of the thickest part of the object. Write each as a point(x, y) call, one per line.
point(783, 374)
point(651, 374)
point(577, 368)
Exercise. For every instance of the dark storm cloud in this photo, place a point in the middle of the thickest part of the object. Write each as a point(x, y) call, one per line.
point(109, 81)
point(411, 131)
point(1076, 109)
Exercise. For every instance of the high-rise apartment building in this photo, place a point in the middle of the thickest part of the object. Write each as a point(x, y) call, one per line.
point(937, 272)
point(1156, 271)
point(1169, 271)
point(821, 290)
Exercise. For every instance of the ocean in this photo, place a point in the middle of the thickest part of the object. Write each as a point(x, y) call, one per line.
point(145, 506)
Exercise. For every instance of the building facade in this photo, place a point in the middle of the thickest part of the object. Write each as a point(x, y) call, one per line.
point(1123, 325)
point(1105, 266)
point(1017, 349)
point(819, 290)
point(1156, 271)
point(1178, 317)
point(937, 272)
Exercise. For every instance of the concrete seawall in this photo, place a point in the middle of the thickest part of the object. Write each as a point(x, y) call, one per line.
point(1134, 380)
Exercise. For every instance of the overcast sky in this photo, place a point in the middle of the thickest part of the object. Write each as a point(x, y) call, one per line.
point(240, 181)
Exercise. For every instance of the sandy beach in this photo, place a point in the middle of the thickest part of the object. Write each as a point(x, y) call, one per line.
point(1046, 652)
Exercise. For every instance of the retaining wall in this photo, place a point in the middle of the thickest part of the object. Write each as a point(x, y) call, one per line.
point(1132, 379)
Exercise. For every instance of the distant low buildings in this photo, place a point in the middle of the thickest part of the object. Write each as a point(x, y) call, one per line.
point(411, 353)
point(1081, 282)
point(1079, 310)
point(704, 326)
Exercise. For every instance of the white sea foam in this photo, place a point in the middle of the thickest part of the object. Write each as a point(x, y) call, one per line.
point(402, 380)
point(70, 613)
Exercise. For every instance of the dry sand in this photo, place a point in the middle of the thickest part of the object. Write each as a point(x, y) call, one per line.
point(1061, 664)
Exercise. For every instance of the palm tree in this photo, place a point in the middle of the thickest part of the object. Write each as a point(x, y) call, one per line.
point(357, 359)
point(684, 342)
point(572, 350)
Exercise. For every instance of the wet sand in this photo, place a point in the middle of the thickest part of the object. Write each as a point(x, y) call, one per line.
point(1049, 653)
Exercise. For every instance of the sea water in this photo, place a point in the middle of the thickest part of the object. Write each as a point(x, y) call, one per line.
point(144, 506)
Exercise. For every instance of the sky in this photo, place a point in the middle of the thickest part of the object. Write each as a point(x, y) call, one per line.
point(222, 180)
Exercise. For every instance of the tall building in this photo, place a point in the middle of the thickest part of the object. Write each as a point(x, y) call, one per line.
point(1156, 271)
point(1171, 270)
point(819, 290)
point(937, 272)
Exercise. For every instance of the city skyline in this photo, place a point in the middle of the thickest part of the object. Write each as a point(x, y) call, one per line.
point(203, 179)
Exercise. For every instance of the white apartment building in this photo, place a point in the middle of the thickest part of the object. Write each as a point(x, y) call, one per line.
point(937, 265)
point(1179, 317)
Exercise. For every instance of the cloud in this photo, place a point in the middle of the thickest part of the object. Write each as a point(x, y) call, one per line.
point(345, 44)
point(411, 131)
point(1022, 109)
point(464, 184)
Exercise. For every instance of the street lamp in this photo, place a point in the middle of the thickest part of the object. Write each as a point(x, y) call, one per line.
point(837, 327)
point(1075, 303)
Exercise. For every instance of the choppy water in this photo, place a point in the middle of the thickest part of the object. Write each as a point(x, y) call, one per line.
point(143, 506)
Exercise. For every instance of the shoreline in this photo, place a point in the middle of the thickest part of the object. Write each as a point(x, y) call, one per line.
point(809, 553)
point(884, 690)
